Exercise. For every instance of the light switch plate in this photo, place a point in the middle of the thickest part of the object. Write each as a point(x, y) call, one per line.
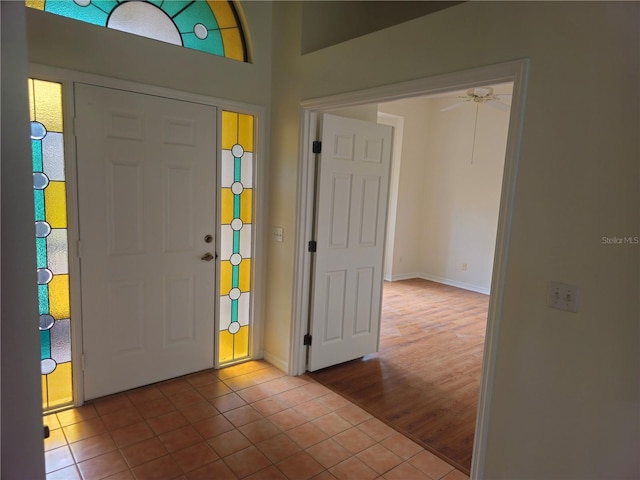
point(278, 234)
point(563, 296)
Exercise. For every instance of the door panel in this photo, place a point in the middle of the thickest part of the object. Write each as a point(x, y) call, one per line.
point(146, 190)
point(352, 187)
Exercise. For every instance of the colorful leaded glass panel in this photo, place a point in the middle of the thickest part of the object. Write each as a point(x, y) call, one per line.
point(236, 213)
point(210, 26)
point(49, 189)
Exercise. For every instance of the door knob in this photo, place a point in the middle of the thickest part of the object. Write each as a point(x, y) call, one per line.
point(207, 257)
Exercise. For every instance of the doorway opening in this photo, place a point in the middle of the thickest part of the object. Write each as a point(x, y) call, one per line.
point(514, 72)
point(441, 226)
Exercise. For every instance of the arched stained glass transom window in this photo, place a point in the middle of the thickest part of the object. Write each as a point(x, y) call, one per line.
point(211, 26)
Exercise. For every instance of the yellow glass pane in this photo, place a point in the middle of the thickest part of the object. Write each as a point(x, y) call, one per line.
point(45, 391)
point(244, 275)
point(232, 42)
point(226, 206)
point(60, 385)
point(225, 347)
point(241, 343)
point(32, 102)
point(37, 4)
point(246, 204)
point(229, 129)
point(59, 297)
point(48, 98)
point(224, 14)
point(55, 201)
point(245, 133)
point(225, 277)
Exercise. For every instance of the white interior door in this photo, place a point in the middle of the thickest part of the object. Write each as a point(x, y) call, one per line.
point(352, 189)
point(147, 202)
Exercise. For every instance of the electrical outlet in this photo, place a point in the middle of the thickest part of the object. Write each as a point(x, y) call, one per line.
point(563, 296)
point(278, 233)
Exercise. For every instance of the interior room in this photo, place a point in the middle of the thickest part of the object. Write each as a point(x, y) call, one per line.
point(559, 389)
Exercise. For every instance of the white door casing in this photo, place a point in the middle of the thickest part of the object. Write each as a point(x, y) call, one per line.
point(352, 189)
point(146, 199)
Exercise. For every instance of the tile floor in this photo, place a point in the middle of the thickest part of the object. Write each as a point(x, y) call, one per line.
point(249, 421)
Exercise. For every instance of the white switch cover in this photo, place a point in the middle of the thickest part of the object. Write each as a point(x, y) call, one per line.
point(563, 296)
point(278, 233)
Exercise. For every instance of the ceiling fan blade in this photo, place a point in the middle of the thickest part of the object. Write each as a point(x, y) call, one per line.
point(454, 106)
point(499, 105)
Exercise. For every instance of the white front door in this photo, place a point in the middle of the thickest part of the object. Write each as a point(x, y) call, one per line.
point(147, 216)
point(352, 190)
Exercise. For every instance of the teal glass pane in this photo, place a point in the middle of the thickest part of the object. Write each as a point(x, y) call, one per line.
point(234, 310)
point(43, 299)
point(68, 8)
point(41, 252)
point(38, 200)
point(237, 175)
point(212, 44)
point(45, 344)
point(172, 8)
point(36, 155)
point(196, 12)
point(236, 241)
point(235, 271)
point(105, 5)
point(236, 206)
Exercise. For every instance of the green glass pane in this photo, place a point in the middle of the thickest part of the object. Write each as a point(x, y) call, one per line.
point(236, 206)
point(105, 5)
point(234, 310)
point(43, 299)
point(45, 344)
point(236, 241)
point(36, 155)
point(196, 12)
point(38, 200)
point(212, 44)
point(41, 252)
point(235, 272)
point(172, 8)
point(237, 175)
point(68, 8)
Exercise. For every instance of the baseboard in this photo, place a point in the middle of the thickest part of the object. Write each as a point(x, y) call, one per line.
point(276, 361)
point(445, 281)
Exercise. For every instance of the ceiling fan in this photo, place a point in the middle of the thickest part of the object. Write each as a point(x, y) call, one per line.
point(481, 95)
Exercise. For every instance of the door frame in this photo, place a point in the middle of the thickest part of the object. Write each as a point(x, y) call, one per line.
point(515, 71)
point(68, 79)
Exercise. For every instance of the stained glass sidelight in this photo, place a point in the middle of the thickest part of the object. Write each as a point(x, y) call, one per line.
point(211, 26)
point(236, 214)
point(49, 189)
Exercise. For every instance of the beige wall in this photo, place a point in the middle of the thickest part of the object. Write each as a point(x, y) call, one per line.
point(564, 402)
point(21, 397)
point(449, 195)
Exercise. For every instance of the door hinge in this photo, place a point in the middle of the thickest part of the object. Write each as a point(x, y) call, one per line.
point(307, 340)
point(317, 146)
point(313, 246)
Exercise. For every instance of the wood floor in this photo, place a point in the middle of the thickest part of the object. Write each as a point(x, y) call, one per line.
point(425, 379)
